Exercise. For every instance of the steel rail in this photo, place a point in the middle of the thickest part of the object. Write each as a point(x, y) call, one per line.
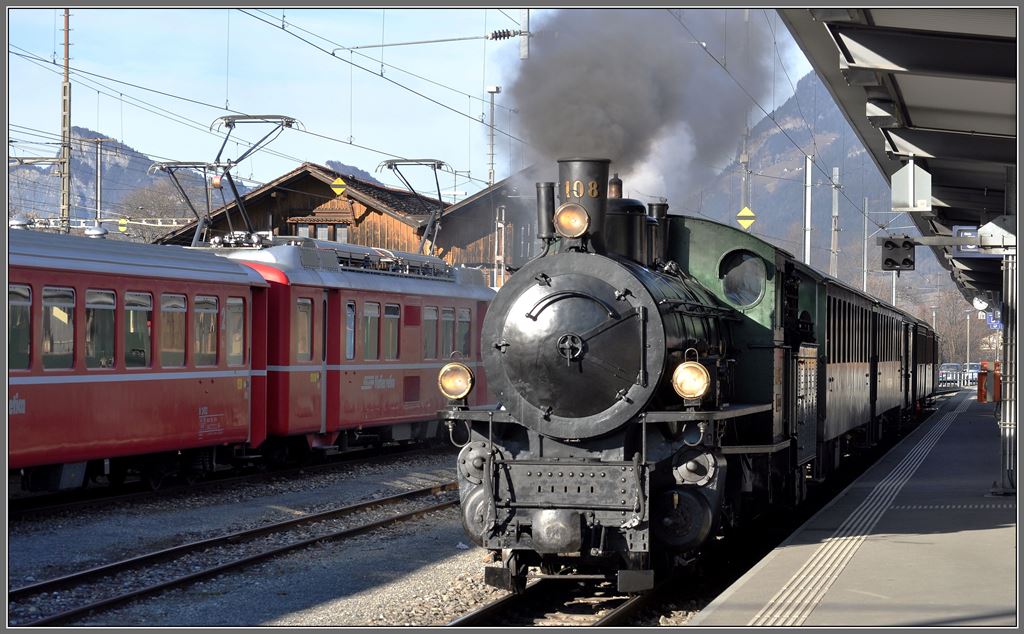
point(491, 613)
point(238, 563)
point(36, 505)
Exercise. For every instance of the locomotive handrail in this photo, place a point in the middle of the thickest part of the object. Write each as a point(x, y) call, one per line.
point(546, 301)
point(705, 309)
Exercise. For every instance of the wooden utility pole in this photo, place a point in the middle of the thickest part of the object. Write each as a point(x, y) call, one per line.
point(65, 137)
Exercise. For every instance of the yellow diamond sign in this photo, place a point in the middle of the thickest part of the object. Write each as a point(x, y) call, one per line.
point(745, 217)
point(338, 186)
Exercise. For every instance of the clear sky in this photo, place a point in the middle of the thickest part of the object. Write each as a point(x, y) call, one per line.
point(229, 58)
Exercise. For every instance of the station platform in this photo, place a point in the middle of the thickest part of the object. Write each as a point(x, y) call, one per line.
point(918, 540)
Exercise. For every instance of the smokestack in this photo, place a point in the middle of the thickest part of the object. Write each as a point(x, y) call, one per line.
point(584, 181)
point(615, 187)
point(545, 211)
point(659, 212)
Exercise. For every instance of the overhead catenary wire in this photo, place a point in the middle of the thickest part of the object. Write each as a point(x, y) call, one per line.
point(383, 77)
point(29, 56)
point(337, 45)
point(754, 100)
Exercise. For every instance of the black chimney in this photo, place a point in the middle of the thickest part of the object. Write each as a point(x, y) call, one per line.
point(584, 181)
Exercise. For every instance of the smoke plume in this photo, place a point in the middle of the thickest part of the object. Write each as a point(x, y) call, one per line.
point(634, 86)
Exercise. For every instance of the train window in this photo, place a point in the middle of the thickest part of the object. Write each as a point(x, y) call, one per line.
point(19, 326)
point(204, 340)
point(392, 319)
point(371, 330)
point(99, 328)
point(58, 328)
point(172, 330)
point(743, 276)
point(304, 329)
point(350, 330)
point(429, 332)
point(138, 330)
point(235, 330)
point(447, 332)
point(462, 331)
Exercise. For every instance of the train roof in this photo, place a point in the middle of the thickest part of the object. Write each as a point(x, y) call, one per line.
point(45, 250)
point(339, 265)
point(809, 271)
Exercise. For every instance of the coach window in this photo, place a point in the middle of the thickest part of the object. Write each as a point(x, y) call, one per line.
point(19, 326)
point(204, 341)
point(371, 330)
point(429, 332)
point(392, 320)
point(58, 328)
point(462, 331)
point(172, 330)
point(235, 330)
point(138, 330)
point(304, 329)
point(447, 332)
point(350, 330)
point(99, 328)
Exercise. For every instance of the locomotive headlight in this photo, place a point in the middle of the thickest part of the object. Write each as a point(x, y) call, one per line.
point(571, 220)
point(691, 380)
point(455, 380)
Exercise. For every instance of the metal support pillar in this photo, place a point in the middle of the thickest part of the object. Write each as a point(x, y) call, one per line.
point(1007, 483)
point(65, 137)
point(808, 164)
point(864, 285)
point(833, 262)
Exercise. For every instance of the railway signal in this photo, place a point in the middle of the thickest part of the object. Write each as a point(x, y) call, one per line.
point(898, 254)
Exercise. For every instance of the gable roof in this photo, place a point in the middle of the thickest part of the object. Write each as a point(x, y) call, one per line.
point(411, 209)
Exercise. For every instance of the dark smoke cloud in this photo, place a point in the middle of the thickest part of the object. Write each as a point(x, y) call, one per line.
point(631, 85)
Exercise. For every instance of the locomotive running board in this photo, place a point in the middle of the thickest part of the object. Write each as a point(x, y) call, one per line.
point(731, 411)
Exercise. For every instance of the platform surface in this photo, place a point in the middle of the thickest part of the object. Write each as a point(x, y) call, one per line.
point(918, 540)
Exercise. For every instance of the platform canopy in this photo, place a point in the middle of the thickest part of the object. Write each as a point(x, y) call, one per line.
point(938, 85)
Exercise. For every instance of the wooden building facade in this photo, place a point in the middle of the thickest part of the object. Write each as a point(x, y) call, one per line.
point(490, 230)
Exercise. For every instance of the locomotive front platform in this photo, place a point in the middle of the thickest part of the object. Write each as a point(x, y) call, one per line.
point(918, 540)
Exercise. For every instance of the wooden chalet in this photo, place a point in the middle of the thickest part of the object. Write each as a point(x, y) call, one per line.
point(493, 229)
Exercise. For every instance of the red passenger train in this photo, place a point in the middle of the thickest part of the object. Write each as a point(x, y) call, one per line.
point(169, 360)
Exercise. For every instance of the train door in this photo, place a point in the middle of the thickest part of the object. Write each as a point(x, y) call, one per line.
point(908, 363)
point(873, 372)
point(323, 363)
point(806, 402)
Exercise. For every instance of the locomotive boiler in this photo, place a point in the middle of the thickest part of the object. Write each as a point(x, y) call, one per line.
point(662, 379)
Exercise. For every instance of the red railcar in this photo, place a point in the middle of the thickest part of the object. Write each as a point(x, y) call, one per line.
point(177, 360)
point(359, 336)
point(117, 350)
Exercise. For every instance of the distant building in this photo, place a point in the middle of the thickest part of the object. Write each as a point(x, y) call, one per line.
point(493, 229)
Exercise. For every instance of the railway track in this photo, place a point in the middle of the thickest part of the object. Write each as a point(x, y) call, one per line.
point(219, 548)
point(549, 602)
point(32, 506)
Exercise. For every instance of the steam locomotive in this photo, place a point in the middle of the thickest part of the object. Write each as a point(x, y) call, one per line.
point(661, 381)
